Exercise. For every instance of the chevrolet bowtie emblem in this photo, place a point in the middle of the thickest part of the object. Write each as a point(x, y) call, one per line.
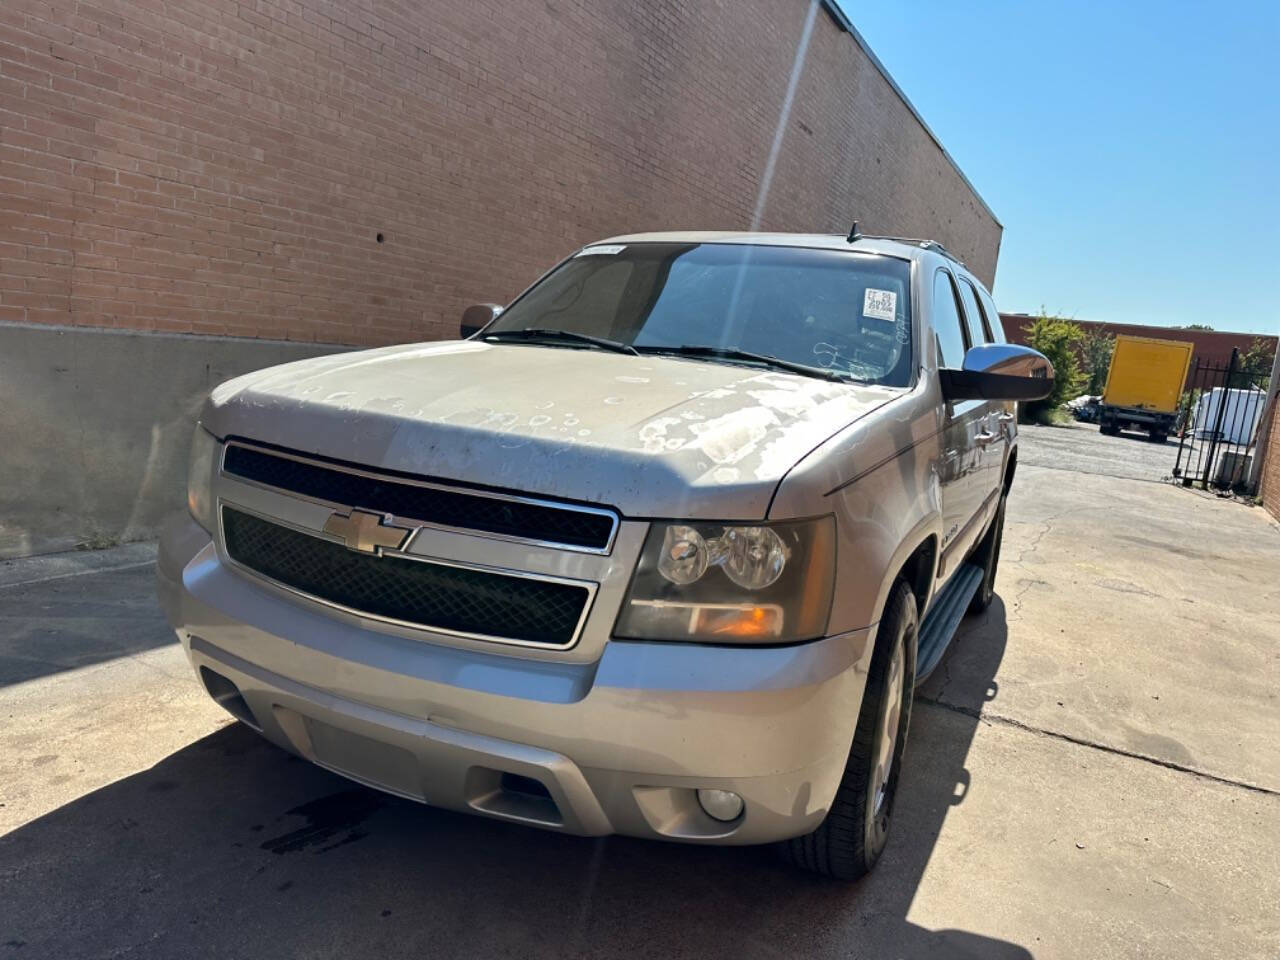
point(365, 532)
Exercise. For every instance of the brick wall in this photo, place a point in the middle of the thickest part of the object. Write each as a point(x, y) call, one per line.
point(226, 166)
point(1270, 488)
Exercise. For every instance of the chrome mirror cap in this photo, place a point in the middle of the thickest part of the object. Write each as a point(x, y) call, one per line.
point(999, 371)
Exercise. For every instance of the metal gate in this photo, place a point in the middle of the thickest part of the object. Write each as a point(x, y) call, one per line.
point(1218, 421)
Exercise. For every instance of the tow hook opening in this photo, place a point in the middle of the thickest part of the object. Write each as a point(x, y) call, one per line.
point(227, 695)
point(513, 796)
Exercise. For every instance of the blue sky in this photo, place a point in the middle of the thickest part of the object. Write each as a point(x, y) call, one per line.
point(1131, 149)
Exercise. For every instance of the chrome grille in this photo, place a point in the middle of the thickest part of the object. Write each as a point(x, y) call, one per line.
point(419, 593)
point(587, 528)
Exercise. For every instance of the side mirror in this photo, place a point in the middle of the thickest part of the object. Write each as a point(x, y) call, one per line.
point(999, 371)
point(476, 318)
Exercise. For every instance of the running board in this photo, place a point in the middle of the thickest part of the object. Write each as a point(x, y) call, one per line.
point(945, 613)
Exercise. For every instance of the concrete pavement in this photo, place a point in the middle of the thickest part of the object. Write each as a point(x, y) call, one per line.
point(1080, 448)
point(1091, 773)
point(1147, 615)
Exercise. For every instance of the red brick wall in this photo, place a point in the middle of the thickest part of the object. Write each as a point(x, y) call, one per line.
point(223, 166)
point(1211, 346)
point(1270, 489)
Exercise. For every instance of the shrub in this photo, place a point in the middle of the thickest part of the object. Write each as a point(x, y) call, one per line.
point(1057, 339)
point(1096, 349)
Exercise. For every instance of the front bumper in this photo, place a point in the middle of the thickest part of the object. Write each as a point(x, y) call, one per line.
point(617, 745)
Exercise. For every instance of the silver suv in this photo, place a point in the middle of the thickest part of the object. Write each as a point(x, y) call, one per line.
point(660, 549)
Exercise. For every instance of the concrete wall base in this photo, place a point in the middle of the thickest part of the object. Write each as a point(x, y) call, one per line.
point(95, 426)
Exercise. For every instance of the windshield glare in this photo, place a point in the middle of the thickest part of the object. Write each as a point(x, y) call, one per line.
point(834, 311)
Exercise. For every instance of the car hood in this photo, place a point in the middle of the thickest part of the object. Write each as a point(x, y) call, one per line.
point(651, 436)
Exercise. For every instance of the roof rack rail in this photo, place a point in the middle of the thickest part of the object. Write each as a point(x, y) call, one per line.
point(933, 245)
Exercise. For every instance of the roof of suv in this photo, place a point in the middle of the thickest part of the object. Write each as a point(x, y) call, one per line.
point(899, 247)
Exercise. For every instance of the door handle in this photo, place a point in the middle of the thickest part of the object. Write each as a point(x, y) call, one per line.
point(984, 438)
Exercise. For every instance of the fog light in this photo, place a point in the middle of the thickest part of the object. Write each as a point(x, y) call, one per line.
point(722, 805)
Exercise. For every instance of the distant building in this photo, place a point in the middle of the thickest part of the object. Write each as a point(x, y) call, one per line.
point(1212, 346)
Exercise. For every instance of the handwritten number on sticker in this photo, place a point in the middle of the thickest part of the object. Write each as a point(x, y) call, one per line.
point(880, 304)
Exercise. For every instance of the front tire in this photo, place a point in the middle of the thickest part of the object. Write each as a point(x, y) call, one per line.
point(849, 841)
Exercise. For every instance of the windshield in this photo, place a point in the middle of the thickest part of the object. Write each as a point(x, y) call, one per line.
point(832, 311)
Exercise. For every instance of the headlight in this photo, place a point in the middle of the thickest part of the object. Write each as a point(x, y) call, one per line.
point(732, 583)
point(204, 451)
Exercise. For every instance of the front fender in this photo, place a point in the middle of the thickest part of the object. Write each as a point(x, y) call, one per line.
point(882, 520)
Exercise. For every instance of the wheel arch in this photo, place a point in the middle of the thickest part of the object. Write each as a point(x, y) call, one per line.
point(916, 563)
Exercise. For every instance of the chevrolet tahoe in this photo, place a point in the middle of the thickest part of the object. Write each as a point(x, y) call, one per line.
point(661, 549)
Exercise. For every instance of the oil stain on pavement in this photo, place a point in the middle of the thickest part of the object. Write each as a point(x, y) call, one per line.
point(327, 817)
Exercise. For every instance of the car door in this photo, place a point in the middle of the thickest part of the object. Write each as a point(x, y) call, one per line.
point(961, 472)
point(994, 438)
point(1007, 410)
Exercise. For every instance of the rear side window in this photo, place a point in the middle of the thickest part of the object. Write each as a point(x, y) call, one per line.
point(979, 329)
point(993, 315)
point(946, 322)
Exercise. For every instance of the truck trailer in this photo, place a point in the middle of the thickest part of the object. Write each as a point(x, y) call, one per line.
point(1144, 385)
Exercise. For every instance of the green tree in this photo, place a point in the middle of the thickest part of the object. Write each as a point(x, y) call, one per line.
point(1194, 326)
point(1096, 348)
point(1058, 339)
point(1255, 364)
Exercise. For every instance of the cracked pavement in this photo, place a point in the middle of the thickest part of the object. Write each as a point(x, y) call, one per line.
point(1093, 770)
point(1147, 620)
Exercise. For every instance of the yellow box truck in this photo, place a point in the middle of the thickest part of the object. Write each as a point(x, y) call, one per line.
point(1144, 385)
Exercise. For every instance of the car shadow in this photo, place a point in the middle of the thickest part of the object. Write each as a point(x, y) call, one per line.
point(231, 847)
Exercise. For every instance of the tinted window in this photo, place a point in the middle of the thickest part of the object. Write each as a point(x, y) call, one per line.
point(973, 313)
point(585, 301)
point(993, 315)
point(946, 322)
point(828, 309)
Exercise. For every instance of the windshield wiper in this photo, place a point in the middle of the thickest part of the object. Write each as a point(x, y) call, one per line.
point(747, 356)
point(534, 334)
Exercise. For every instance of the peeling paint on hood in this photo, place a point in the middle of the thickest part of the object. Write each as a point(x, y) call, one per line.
point(652, 436)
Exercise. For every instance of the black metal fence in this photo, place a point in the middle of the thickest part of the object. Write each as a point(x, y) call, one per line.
point(1218, 422)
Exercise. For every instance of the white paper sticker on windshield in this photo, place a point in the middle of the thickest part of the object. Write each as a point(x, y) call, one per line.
point(604, 248)
point(880, 304)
